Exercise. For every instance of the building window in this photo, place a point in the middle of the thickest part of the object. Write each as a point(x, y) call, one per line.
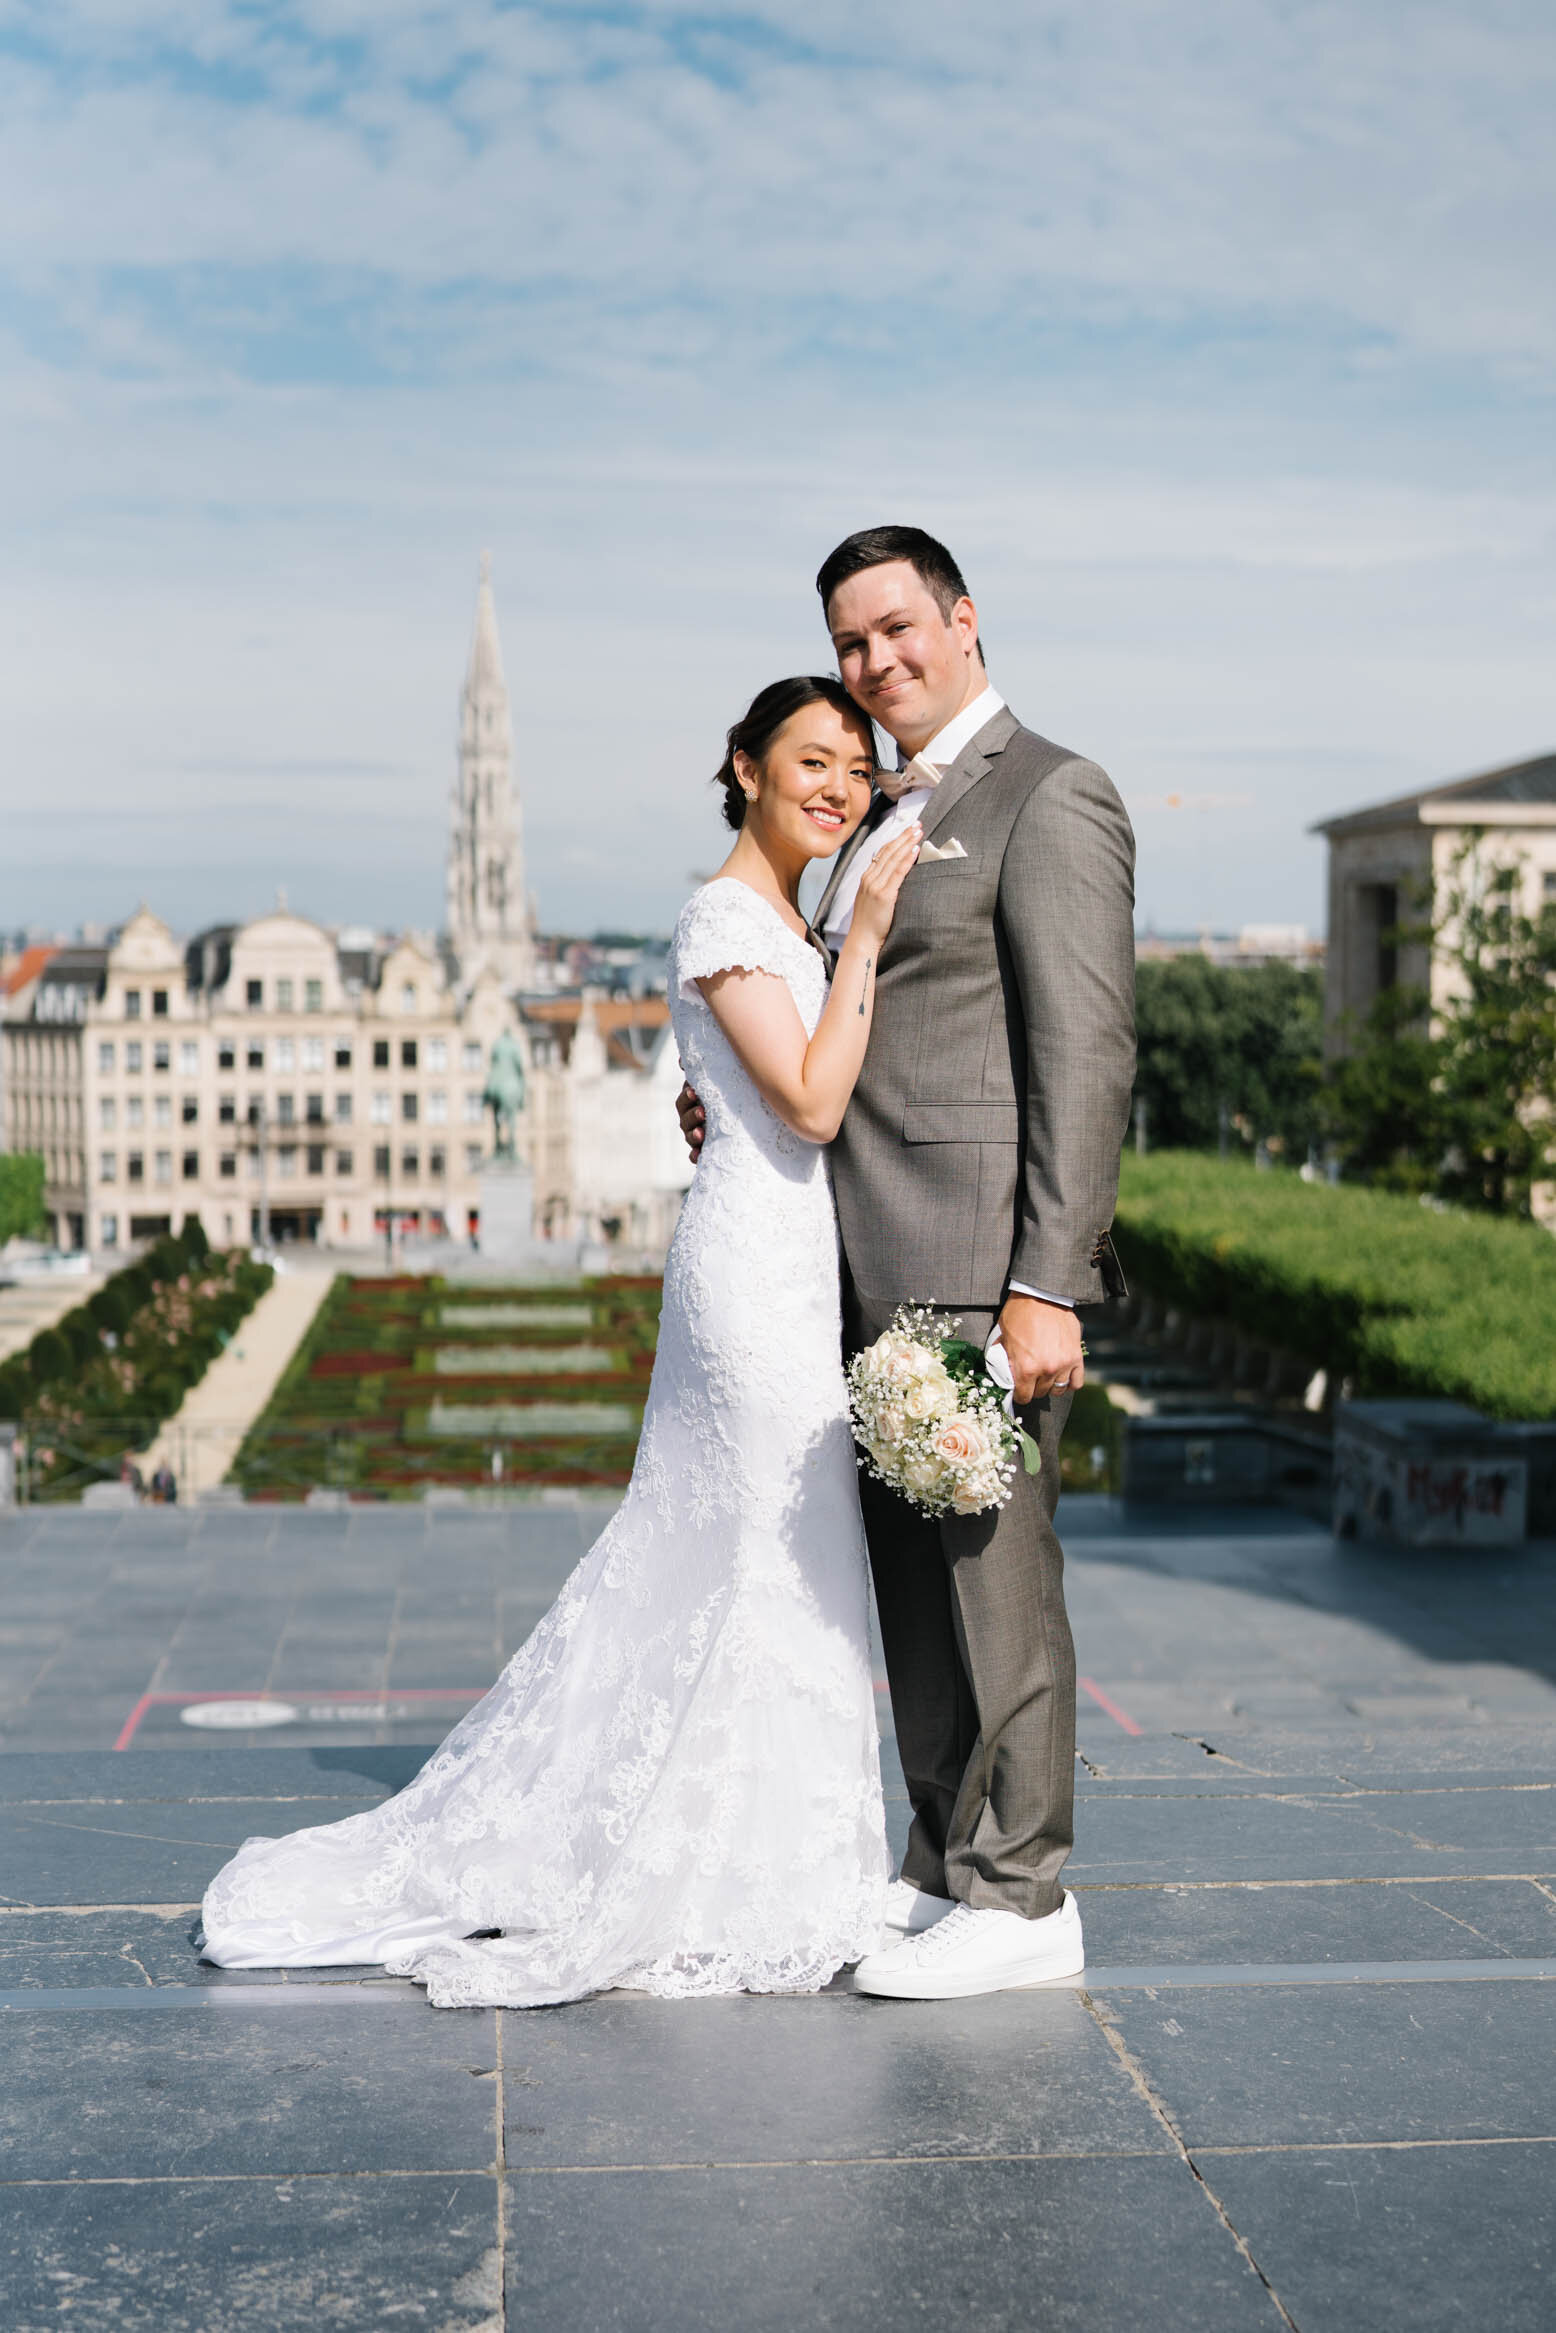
point(285, 1055)
point(191, 1166)
point(286, 1112)
point(343, 1109)
point(437, 1053)
point(316, 1158)
point(343, 1053)
point(383, 1109)
point(407, 1053)
point(164, 1166)
point(254, 1053)
point(107, 1166)
point(286, 1161)
point(344, 1164)
point(189, 1110)
point(472, 1158)
point(105, 1058)
point(159, 1004)
point(254, 1165)
point(135, 1111)
point(162, 1054)
point(227, 1165)
point(283, 996)
point(162, 1110)
point(227, 1110)
point(256, 995)
point(470, 1058)
point(227, 1054)
point(313, 996)
point(106, 1113)
point(135, 1166)
point(408, 997)
point(410, 1164)
point(132, 1058)
point(437, 1163)
point(408, 1108)
point(1550, 886)
point(253, 1112)
point(313, 1109)
point(108, 1230)
point(437, 1107)
point(132, 1004)
point(313, 1053)
point(188, 1058)
point(381, 1160)
point(474, 1108)
point(380, 1053)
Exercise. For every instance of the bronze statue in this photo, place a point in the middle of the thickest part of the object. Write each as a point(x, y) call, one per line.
point(504, 1093)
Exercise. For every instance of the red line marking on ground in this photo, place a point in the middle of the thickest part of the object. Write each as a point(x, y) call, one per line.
point(1119, 1716)
point(131, 1725)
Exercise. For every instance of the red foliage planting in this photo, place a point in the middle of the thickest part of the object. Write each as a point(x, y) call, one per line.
point(359, 1364)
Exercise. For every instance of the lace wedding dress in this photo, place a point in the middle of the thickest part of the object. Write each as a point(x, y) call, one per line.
point(674, 1785)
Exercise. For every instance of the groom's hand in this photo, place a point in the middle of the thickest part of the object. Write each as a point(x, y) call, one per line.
point(693, 1121)
point(1044, 1345)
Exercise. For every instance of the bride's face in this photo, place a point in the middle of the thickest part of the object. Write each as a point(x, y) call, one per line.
point(812, 786)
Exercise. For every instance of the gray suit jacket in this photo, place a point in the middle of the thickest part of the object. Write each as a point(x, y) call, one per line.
point(982, 1141)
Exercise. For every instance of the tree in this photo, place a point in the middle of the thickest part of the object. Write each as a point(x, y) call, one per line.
point(21, 1196)
point(1459, 1097)
point(1216, 1040)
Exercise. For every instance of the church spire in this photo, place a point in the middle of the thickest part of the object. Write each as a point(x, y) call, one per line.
point(488, 906)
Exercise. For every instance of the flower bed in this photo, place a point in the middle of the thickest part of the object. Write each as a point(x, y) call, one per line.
point(1397, 1297)
point(364, 1401)
point(102, 1381)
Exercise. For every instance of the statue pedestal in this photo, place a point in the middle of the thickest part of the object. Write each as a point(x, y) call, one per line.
point(509, 1249)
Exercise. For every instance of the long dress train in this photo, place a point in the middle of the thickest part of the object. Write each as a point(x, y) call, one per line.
point(674, 1785)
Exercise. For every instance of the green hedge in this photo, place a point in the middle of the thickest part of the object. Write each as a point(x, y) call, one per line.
point(1401, 1298)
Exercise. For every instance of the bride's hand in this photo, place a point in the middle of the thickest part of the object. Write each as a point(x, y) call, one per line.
point(880, 883)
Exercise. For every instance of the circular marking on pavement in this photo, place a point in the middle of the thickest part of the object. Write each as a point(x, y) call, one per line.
point(237, 1716)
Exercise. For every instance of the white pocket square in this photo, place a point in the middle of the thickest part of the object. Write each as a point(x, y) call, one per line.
point(927, 853)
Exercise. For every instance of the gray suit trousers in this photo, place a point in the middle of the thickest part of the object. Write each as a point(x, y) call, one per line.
point(981, 1666)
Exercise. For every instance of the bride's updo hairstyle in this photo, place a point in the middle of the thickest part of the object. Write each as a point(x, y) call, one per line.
point(766, 714)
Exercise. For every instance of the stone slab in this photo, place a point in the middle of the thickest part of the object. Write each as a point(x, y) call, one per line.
point(1291, 2066)
point(1413, 2240)
point(1360, 1921)
point(628, 2081)
point(165, 1854)
point(252, 2255)
point(1092, 2246)
point(239, 2089)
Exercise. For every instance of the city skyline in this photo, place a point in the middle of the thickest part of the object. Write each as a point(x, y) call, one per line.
point(1234, 408)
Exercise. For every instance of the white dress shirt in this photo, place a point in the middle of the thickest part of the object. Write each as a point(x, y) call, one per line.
point(940, 752)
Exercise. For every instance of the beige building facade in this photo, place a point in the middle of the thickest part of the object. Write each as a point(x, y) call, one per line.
point(1385, 862)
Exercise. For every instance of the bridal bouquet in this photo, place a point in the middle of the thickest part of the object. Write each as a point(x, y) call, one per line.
point(933, 1424)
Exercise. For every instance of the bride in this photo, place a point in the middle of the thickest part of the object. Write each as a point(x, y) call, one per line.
point(674, 1785)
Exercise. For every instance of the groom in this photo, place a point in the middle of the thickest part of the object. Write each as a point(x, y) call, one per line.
point(976, 1169)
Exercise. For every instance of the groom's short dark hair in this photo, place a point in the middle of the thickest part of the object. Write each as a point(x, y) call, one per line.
point(879, 546)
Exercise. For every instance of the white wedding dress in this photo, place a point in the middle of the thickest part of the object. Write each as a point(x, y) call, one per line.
point(675, 1784)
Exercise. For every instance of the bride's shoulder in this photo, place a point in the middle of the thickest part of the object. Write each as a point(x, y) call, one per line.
point(726, 927)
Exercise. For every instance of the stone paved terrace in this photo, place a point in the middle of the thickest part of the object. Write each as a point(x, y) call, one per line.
point(1307, 2080)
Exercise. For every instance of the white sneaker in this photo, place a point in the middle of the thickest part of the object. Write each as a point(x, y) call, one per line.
point(973, 1951)
point(909, 1911)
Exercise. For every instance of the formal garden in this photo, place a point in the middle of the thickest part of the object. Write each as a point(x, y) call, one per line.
point(97, 1385)
point(405, 1384)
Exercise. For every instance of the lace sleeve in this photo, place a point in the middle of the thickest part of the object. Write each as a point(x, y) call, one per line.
point(724, 927)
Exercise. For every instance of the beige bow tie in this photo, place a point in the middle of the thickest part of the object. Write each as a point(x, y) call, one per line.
point(914, 774)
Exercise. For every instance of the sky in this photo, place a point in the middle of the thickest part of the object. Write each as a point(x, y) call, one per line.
point(1217, 337)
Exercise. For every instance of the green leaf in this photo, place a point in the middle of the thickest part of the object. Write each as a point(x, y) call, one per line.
point(1031, 1456)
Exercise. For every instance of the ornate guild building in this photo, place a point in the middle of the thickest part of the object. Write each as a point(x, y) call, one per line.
point(327, 1085)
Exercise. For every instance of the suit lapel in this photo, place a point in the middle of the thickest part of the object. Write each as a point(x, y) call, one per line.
point(969, 766)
